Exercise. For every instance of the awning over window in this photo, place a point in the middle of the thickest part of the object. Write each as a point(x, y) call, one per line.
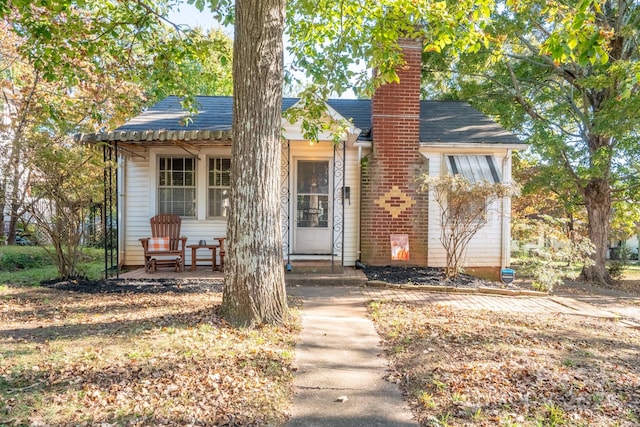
point(474, 168)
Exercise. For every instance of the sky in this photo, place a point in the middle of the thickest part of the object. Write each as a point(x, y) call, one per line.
point(189, 15)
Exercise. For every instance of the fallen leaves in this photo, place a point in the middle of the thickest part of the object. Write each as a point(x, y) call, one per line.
point(137, 359)
point(474, 368)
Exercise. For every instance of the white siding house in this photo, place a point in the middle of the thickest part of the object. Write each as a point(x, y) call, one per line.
point(168, 167)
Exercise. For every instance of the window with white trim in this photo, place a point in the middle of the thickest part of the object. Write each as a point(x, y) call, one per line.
point(474, 168)
point(219, 182)
point(177, 186)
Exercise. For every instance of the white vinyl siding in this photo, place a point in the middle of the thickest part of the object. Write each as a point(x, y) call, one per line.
point(484, 249)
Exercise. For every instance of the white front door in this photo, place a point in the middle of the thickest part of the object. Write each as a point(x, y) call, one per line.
point(313, 214)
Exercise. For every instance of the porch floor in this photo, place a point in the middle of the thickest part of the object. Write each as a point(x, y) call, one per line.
point(302, 273)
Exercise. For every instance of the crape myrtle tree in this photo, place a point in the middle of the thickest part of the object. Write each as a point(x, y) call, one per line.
point(465, 207)
point(566, 75)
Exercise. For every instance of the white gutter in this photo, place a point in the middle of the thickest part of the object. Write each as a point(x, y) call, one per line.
point(360, 145)
point(471, 146)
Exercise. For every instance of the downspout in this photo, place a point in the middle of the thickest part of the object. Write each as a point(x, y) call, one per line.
point(358, 251)
point(505, 260)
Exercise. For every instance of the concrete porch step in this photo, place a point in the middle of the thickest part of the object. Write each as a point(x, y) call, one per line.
point(323, 275)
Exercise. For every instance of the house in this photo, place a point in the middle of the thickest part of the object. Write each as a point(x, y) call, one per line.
point(356, 200)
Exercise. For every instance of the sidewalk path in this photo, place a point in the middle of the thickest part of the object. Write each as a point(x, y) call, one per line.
point(592, 306)
point(341, 368)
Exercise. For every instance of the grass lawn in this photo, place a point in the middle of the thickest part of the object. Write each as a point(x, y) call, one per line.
point(477, 368)
point(30, 265)
point(70, 359)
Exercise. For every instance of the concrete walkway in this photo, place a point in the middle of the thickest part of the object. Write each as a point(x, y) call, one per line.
point(341, 368)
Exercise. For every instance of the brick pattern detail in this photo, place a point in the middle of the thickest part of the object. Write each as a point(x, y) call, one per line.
point(395, 202)
point(395, 162)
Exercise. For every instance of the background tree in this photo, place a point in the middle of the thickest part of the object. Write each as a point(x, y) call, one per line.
point(565, 75)
point(73, 67)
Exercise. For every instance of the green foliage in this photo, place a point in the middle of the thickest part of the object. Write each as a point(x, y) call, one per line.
point(16, 258)
point(77, 67)
point(551, 264)
point(570, 89)
point(619, 262)
point(69, 179)
point(327, 38)
point(316, 119)
point(37, 265)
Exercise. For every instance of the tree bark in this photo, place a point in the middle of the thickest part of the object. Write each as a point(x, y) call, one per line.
point(254, 290)
point(597, 198)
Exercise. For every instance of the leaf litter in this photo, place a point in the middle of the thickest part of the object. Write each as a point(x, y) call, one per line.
point(163, 357)
point(477, 368)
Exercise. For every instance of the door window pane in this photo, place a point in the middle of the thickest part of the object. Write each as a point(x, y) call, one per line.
point(312, 205)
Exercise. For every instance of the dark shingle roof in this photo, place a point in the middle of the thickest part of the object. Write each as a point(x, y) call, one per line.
point(454, 121)
point(441, 121)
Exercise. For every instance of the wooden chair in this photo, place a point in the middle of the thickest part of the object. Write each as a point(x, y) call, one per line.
point(159, 252)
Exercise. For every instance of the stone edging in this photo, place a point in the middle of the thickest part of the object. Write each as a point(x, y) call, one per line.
point(452, 289)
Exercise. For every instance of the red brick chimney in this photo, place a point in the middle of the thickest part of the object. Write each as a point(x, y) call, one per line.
point(390, 203)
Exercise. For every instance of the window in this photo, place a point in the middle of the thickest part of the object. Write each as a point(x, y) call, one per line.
point(177, 186)
point(219, 185)
point(477, 170)
point(474, 168)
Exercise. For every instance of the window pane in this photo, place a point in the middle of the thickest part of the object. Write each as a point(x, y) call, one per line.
point(189, 179)
point(313, 177)
point(219, 183)
point(177, 179)
point(313, 211)
point(474, 168)
point(177, 163)
point(218, 202)
point(176, 186)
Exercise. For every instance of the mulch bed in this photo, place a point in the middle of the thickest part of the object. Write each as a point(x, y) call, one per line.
point(144, 286)
point(428, 276)
point(419, 276)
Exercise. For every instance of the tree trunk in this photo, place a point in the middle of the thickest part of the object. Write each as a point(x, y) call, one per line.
point(597, 198)
point(254, 290)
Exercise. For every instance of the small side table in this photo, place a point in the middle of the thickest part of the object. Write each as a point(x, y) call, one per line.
point(221, 242)
point(195, 259)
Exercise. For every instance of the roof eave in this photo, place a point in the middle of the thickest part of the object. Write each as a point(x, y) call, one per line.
point(439, 145)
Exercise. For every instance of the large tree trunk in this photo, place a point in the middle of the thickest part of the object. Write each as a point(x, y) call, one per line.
point(254, 290)
point(597, 198)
